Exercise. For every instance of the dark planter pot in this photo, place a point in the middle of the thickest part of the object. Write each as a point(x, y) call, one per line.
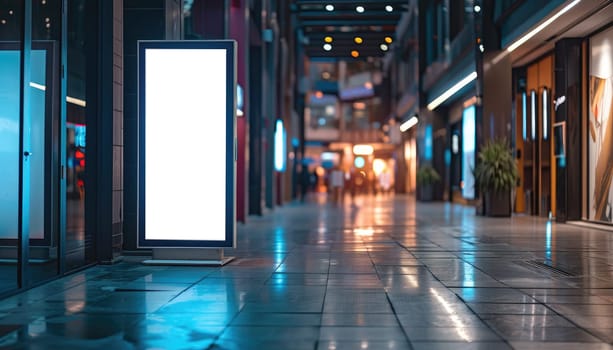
point(426, 193)
point(498, 203)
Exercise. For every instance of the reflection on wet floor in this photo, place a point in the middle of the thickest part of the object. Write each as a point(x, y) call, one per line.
point(383, 272)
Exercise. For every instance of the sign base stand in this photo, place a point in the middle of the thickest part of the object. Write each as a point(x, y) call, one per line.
point(188, 257)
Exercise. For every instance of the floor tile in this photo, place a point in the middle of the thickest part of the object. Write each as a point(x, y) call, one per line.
point(361, 333)
point(364, 344)
point(548, 334)
point(451, 334)
point(510, 309)
point(270, 333)
point(522, 345)
point(276, 319)
point(359, 319)
point(460, 346)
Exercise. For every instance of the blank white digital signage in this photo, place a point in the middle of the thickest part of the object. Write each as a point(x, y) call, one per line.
point(187, 131)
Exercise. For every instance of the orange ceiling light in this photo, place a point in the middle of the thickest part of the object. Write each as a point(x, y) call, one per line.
point(359, 105)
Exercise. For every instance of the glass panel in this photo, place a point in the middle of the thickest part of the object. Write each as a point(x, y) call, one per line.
point(10, 86)
point(43, 64)
point(79, 243)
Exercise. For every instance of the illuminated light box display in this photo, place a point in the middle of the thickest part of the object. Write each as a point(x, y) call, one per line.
point(187, 156)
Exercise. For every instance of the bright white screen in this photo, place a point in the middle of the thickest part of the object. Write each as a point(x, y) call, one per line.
point(185, 144)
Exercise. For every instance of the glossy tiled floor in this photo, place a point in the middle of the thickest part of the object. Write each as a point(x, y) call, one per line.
point(386, 273)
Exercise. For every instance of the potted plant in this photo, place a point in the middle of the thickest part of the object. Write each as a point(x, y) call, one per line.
point(427, 176)
point(496, 175)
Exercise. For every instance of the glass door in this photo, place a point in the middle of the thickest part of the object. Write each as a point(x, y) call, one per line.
point(29, 117)
point(10, 104)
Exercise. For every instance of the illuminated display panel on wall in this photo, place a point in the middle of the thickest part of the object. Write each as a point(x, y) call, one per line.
point(468, 152)
point(524, 113)
point(280, 148)
point(428, 143)
point(187, 106)
point(545, 114)
point(240, 98)
point(455, 143)
point(533, 113)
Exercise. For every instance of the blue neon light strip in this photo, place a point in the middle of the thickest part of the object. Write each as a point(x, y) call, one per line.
point(524, 112)
point(533, 113)
point(545, 115)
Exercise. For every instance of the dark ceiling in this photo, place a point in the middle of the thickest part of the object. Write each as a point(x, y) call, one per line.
point(344, 23)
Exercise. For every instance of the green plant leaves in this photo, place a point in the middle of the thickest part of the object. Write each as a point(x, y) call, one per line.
point(496, 169)
point(427, 175)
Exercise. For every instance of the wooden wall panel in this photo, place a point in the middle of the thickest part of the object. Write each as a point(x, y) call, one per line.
point(539, 76)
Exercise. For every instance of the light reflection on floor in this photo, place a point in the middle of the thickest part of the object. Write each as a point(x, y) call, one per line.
point(376, 272)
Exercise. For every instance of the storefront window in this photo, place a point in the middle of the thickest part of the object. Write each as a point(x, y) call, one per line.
point(79, 242)
point(600, 128)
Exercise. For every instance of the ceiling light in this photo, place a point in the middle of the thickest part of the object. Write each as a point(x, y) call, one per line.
point(358, 40)
point(477, 8)
point(384, 47)
point(389, 8)
point(360, 9)
point(76, 101)
point(330, 7)
point(452, 90)
point(38, 86)
point(328, 39)
point(327, 47)
point(541, 26)
point(359, 105)
point(409, 123)
point(355, 54)
point(388, 39)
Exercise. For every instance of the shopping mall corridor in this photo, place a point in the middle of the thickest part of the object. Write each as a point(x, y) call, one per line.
point(383, 272)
